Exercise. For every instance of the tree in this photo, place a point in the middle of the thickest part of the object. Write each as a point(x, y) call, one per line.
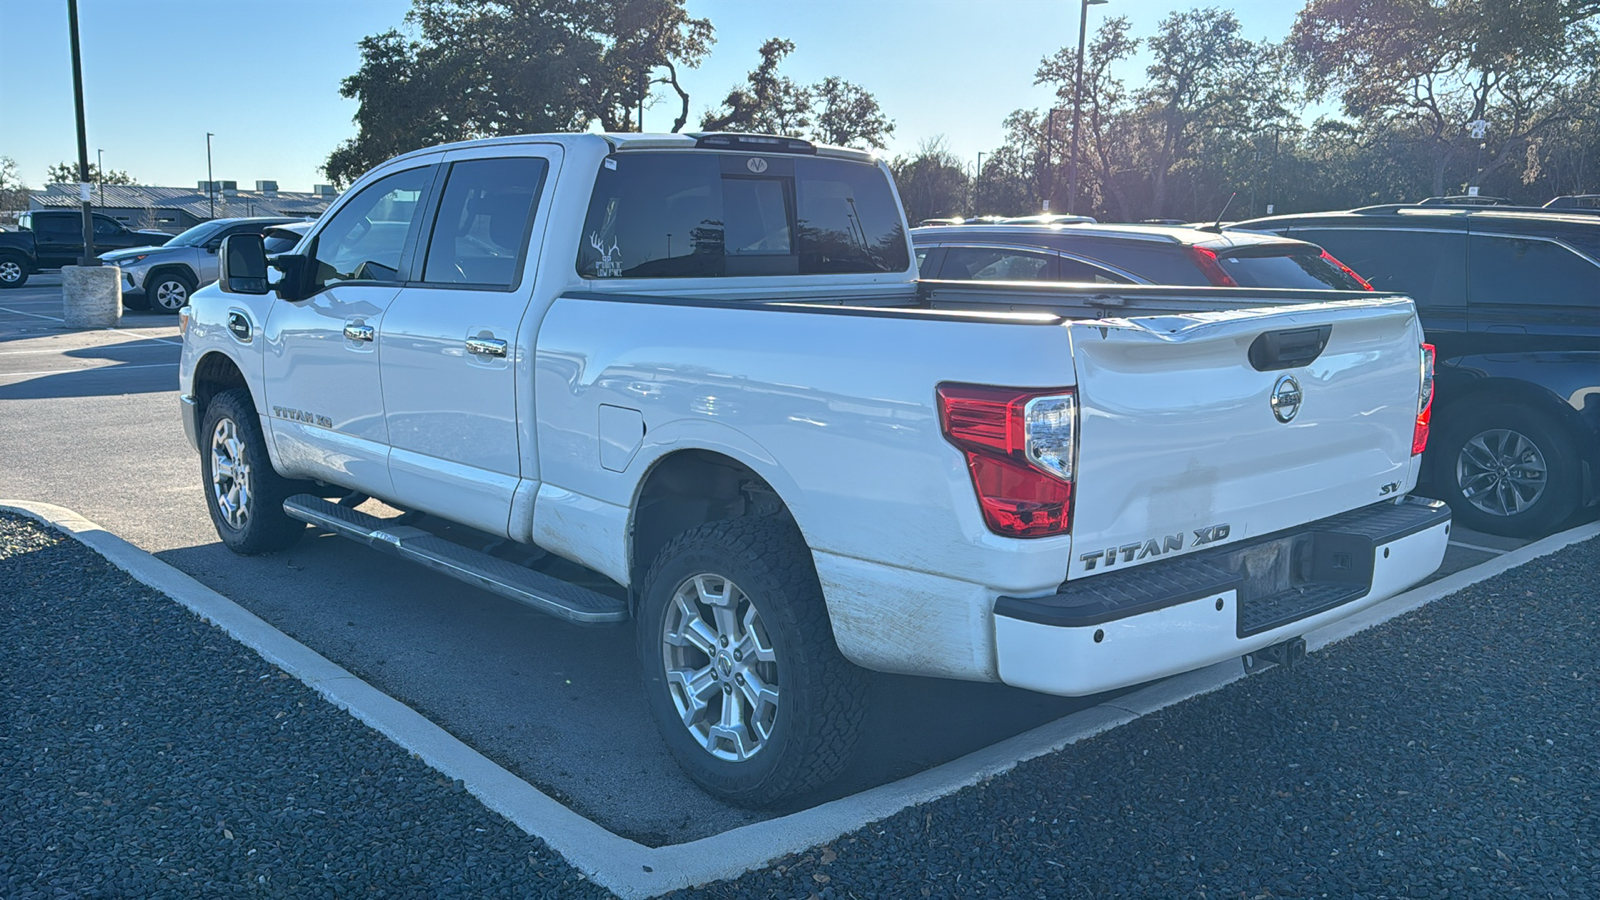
point(476, 68)
point(932, 182)
point(65, 172)
point(13, 193)
point(768, 103)
point(849, 116)
point(1420, 71)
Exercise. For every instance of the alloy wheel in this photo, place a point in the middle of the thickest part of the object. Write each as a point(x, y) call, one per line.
point(721, 668)
point(1501, 472)
point(230, 474)
point(10, 271)
point(171, 294)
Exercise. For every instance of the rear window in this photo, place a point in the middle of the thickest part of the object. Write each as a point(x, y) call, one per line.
point(1431, 266)
point(699, 214)
point(1303, 268)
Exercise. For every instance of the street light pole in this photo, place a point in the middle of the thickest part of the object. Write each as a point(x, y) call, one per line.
point(100, 175)
point(88, 258)
point(211, 184)
point(977, 185)
point(1077, 104)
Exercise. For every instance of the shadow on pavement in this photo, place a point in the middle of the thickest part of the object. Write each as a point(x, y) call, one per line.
point(141, 367)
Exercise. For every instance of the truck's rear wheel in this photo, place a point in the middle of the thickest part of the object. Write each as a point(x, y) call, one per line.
point(739, 663)
point(244, 494)
point(13, 271)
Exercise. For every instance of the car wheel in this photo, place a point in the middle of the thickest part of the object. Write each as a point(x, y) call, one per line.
point(740, 668)
point(168, 292)
point(244, 494)
point(1506, 470)
point(13, 271)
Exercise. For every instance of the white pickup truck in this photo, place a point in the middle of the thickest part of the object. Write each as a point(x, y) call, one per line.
point(703, 367)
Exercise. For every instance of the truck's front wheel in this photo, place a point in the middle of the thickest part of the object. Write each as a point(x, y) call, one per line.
point(739, 663)
point(243, 492)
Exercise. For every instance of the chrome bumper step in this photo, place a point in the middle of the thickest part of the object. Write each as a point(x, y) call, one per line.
point(558, 598)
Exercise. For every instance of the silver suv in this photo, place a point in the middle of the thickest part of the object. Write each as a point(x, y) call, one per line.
point(162, 278)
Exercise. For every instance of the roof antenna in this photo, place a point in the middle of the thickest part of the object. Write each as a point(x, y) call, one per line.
point(1216, 228)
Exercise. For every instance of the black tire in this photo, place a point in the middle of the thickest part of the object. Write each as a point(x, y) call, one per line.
point(255, 521)
point(1489, 466)
point(13, 270)
point(821, 697)
point(136, 301)
point(168, 290)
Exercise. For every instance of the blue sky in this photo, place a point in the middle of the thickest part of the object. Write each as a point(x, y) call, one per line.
point(264, 76)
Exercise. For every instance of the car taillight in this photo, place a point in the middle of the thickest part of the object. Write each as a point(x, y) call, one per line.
point(1419, 435)
point(1365, 284)
point(1020, 447)
point(1209, 267)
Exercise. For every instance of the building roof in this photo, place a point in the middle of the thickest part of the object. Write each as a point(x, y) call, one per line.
point(190, 200)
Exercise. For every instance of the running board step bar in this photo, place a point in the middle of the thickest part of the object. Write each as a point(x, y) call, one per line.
point(561, 599)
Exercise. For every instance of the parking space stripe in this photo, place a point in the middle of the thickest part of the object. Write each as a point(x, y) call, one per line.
point(34, 315)
point(633, 870)
point(1465, 545)
point(119, 368)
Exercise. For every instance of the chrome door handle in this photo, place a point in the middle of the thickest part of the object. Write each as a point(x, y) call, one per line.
point(486, 347)
point(354, 332)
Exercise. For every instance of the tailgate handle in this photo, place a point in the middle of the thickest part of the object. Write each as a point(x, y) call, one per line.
point(1288, 349)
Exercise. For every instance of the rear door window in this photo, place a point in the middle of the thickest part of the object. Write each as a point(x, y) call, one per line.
point(1431, 266)
point(480, 236)
point(1076, 270)
point(997, 264)
point(1513, 271)
point(699, 213)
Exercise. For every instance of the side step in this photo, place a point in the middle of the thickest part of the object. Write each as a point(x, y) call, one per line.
point(542, 592)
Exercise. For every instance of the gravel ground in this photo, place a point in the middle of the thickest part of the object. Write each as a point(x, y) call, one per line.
point(1454, 753)
point(1449, 754)
point(143, 753)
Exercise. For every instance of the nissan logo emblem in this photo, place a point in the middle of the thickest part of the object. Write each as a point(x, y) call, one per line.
point(1286, 399)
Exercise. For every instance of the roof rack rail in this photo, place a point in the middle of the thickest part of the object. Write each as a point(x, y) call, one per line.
point(1390, 208)
point(1465, 200)
point(1574, 202)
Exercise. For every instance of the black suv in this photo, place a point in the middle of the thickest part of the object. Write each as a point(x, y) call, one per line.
point(1511, 299)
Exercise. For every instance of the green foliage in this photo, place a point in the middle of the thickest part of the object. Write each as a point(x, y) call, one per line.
point(933, 183)
point(769, 103)
point(477, 68)
point(65, 172)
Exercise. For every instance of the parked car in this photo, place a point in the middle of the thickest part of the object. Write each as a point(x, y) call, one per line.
point(1127, 254)
point(283, 238)
point(17, 258)
point(58, 235)
point(1511, 298)
point(162, 278)
point(703, 367)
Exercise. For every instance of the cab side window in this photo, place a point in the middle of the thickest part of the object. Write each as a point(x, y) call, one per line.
point(104, 227)
point(365, 239)
point(480, 236)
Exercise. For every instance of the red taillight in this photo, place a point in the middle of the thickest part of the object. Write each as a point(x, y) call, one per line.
point(1365, 284)
point(1207, 261)
point(1419, 435)
point(1020, 446)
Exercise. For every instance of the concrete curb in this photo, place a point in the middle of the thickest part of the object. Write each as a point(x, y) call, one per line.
point(633, 870)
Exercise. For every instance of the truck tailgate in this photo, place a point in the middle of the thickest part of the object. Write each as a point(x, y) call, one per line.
point(1181, 445)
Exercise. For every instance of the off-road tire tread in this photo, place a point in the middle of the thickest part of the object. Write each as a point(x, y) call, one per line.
point(820, 744)
point(270, 529)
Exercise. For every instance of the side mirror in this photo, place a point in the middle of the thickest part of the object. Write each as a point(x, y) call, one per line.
point(243, 264)
point(213, 246)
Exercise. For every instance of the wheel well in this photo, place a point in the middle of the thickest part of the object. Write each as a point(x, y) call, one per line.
point(214, 374)
point(689, 488)
point(174, 268)
point(1531, 398)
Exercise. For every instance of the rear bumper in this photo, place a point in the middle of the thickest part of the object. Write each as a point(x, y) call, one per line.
point(1133, 626)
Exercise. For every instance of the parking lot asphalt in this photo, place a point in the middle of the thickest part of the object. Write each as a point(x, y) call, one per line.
point(89, 422)
point(1448, 753)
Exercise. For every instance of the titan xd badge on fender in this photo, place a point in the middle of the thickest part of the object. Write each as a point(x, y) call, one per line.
point(1286, 399)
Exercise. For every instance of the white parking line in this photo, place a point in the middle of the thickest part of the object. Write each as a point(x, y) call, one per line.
point(633, 870)
point(1496, 551)
point(118, 330)
point(119, 368)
